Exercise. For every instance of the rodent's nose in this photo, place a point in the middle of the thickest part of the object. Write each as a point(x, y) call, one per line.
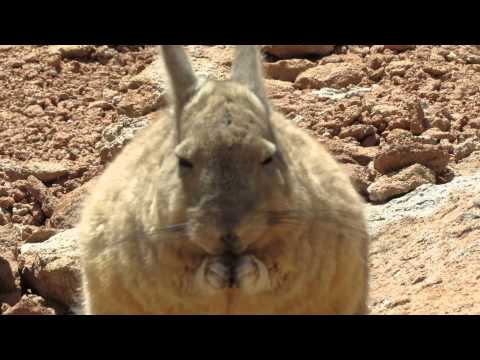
point(230, 240)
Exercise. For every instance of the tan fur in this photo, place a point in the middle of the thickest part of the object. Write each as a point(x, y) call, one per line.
point(311, 262)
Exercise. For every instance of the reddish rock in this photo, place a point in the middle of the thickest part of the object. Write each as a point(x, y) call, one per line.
point(52, 268)
point(42, 194)
point(350, 153)
point(372, 140)
point(438, 134)
point(66, 213)
point(43, 170)
point(418, 123)
point(358, 132)
point(290, 51)
point(336, 76)
point(436, 70)
point(359, 176)
point(388, 186)
point(396, 157)
point(36, 234)
point(398, 68)
point(287, 70)
point(465, 148)
point(6, 202)
point(73, 51)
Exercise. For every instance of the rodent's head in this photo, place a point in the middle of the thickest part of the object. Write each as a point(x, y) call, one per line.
point(231, 167)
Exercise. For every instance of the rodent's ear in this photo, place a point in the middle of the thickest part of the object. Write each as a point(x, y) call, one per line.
point(184, 149)
point(183, 81)
point(269, 148)
point(247, 69)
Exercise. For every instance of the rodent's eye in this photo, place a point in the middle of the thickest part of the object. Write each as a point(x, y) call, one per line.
point(184, 163)
point(267, 161)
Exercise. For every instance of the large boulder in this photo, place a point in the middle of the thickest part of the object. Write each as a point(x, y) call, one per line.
point(52, 268)
point(389, 186)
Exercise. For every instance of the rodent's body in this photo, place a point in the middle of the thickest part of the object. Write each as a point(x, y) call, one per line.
point(316, 261)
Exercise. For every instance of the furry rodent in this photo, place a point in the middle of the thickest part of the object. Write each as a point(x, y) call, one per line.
point(223, 207)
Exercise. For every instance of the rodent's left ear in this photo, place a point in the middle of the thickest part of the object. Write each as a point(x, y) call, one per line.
point(268, 148)
point(247, 69)
point(183, 81)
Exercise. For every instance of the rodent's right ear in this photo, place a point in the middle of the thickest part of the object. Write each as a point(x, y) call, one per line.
point(183, 81)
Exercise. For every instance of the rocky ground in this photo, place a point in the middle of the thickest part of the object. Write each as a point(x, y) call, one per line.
point(404, 121)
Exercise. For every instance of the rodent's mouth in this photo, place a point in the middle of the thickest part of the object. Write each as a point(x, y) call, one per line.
point(230, 261)
point(228, 270)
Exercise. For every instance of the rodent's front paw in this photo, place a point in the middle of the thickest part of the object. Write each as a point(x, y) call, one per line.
point(213, 275)
point(251, 275)
point(217, 274)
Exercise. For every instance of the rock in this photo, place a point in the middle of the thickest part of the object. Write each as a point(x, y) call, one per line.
point(287, 70)
point(46, 171)
point(472, 59)
point(398, 68)
point(399, 47)
point(52, 268)
point(389, 186)
point(419, 203)
point(351, 153)
point(138, 103)
point(43, 170)
point(154, 74)
point(437, 134)
point(384, 116)
point(436, 70)
point(31, 305)
point(6, 202)
point(418, 122)
point(12, 171)
point(396, 157)
point(335, 76)
point(39, 234)
point(9, 276)
point(6, 47)
point(41, 194)
point(4, 218)
point(359, 176)
point(374, 62)
point(116, 136)
point(359, 132)
point(398, 302)
point(371, 140)
point(145, 92)
point(72, 51)
point(291, 51)
point(66, 213)
point(441, 123)
point(336, 94)
point(464, 149)
point(104, 105)
point(377, 75)
point(34, 111)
